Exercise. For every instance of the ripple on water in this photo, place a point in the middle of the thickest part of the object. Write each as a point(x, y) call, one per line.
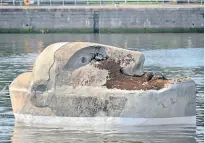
point(175, 57)
point(150, 134)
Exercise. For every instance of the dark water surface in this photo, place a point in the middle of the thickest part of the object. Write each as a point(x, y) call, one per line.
point(171, 54)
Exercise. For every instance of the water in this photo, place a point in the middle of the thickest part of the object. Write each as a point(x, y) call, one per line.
point(173, 55)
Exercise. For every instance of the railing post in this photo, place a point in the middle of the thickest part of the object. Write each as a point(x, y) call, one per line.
point(1, 2)
point(100, 2)
point(38, 3)
point(87, 2)
point(50, 2)
point(201, 2)
point(188, 1)
point(75, 2)
point(63, 3)
point(13, 2)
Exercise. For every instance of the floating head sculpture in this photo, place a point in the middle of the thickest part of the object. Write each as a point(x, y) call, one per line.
point(82, 79)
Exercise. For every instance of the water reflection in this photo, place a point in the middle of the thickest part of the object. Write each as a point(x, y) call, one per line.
point(133, 41)
point(170, 54)
point(148, 134)
point(27, 48)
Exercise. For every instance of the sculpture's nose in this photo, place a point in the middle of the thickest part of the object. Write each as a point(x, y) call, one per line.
point(134, 68)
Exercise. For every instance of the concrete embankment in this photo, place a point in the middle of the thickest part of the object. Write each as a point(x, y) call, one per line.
point(102, 19)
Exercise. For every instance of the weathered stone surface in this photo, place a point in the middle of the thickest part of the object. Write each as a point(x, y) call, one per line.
point(82, 79)
point(19, 89)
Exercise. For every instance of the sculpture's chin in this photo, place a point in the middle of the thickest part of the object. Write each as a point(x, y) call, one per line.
point(19, 90)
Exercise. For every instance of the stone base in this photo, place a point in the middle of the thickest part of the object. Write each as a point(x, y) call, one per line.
point(101, 121)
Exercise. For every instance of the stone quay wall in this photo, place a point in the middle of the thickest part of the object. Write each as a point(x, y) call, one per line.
point(101, 19)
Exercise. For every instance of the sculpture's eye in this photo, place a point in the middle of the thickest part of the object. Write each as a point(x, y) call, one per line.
point(84, 60)
point(85, 56)
point(40, 89)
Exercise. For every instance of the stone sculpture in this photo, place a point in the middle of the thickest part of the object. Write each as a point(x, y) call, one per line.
point(82, 79)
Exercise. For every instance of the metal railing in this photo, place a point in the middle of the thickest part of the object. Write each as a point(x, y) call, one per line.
point(94, 2)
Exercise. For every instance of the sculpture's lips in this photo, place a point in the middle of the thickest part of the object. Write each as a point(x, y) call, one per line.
point(118, 79)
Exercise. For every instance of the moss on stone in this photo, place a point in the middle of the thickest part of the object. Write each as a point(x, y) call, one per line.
point(153, 30)
point(106, 30)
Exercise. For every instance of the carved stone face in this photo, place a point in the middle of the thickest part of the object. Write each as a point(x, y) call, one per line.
point(61, 62)
point(89, 79)
point(89, 64)
point(82, 64)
